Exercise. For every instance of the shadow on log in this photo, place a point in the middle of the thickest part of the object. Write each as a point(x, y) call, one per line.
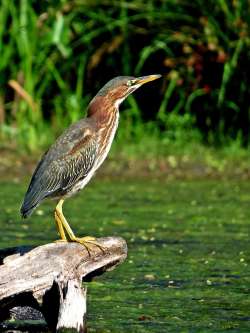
point(46, 282)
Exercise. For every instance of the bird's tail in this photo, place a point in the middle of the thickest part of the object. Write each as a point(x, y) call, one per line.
point(30, 202)
point(27, 211)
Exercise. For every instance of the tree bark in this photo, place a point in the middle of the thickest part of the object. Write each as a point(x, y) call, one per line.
point(49, 279)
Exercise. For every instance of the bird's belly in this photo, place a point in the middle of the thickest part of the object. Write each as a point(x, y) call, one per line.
point(80, 184)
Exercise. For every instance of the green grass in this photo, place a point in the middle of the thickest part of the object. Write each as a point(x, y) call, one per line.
point(55, 57)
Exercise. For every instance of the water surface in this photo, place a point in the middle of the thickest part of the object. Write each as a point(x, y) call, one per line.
point(188, 264)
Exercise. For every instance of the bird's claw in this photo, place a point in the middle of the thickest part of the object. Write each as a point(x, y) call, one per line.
point(87, 241)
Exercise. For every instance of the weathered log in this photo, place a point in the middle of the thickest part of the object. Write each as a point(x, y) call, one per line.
point(49, 279)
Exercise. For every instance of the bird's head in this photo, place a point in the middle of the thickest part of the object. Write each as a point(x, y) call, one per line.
point(117, 89)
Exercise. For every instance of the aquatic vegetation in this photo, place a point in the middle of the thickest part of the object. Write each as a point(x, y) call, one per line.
point(188, 263)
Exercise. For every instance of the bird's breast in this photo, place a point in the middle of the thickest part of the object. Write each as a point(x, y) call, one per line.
point(105, 139)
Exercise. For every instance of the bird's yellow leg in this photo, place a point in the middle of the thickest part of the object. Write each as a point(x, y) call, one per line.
point(60, 227)
point(63, 222)
point(85, 241)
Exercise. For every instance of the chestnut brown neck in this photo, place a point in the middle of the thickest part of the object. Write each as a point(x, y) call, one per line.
point(101, 109)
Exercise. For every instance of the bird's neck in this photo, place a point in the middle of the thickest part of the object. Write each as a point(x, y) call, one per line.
point(101, 110)
point(105, 118)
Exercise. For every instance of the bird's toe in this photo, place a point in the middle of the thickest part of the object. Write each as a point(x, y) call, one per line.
point(88, 242)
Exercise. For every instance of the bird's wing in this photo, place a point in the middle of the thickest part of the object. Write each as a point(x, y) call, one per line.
point(56, 173)
point(64, 172)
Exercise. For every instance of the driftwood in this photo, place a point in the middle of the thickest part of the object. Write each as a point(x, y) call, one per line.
point(46, 282)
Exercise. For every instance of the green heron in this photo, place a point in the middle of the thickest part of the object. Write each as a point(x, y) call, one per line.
point(75, 156)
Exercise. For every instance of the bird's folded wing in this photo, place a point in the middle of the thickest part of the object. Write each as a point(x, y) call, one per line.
point(56, 177)
point(74, 166)
point(64, 172)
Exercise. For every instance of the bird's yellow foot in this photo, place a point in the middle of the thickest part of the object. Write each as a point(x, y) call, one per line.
point(88, 242)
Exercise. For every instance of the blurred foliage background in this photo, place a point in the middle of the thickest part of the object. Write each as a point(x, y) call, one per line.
point(55, 55)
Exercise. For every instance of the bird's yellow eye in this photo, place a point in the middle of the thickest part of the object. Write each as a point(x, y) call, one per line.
point(130, 83)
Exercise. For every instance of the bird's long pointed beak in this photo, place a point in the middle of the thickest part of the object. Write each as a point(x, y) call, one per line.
point(144, 79)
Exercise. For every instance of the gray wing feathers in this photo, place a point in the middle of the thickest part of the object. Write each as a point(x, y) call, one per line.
point(56, 177)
